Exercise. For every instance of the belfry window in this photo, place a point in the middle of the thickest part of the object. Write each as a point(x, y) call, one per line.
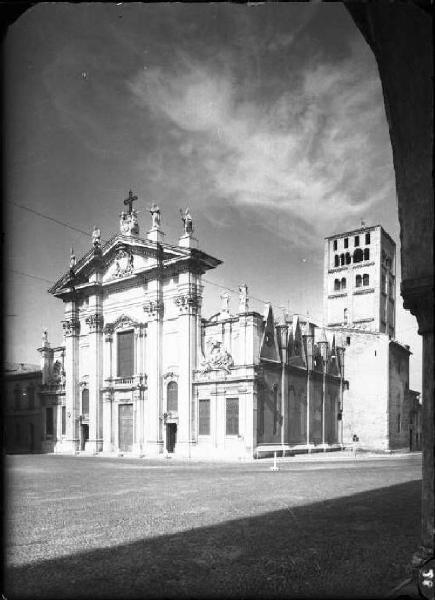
point(366, 279)
point(125, 353)
point(172, 396)
point(336, 261)
point(358, 255)
point(366, 253)
point(343, 283)
point(358, 281)
point(336, 285)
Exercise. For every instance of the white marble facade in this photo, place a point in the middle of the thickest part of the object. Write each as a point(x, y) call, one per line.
point(143, 372)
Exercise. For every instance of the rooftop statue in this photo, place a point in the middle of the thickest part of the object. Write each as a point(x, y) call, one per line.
point(96, 237)
point(186, 217)
point(155, 214)
point(72, 260)
point(243, 298)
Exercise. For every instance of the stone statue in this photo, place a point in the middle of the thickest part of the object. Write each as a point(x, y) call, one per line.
point(186, 217)
point(72, 260)
point(225, 297)
point(44, 336)
point(96, 237)
point(243, 297)
point(155, 214)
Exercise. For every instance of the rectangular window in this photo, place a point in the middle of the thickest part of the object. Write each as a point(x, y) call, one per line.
point(232, 416)
point(346, 242)
point(63, 420)
point(335, 244)
point(204, 416)
point(125, 353)
point(356, 240)
point(49, 420)
point(367, 238)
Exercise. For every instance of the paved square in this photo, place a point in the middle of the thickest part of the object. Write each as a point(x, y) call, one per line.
point(123, 528)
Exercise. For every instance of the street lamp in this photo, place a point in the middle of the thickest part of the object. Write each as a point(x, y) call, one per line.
point(308, 340)
point(323, 343)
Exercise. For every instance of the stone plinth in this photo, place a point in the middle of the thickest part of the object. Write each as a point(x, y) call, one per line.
point(155, 235)
point(188, 241)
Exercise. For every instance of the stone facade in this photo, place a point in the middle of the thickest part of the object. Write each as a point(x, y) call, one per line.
point(142, 372)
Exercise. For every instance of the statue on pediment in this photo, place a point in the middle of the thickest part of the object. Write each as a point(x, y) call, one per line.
point(186, 217)
point(243, 298)
point(155, 215)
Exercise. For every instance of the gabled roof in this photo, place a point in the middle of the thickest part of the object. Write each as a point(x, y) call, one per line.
point(100, 258)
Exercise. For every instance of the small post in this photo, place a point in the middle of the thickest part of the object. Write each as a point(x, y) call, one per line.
point(275, 467)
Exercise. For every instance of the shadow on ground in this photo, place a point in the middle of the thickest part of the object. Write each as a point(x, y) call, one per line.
point(357, 546)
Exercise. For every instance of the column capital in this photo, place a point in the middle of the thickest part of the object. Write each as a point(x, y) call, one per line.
point(71, 327)
point(418, 299)
point(95, 322)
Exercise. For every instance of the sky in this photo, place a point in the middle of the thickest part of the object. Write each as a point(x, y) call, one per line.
point(267, 121)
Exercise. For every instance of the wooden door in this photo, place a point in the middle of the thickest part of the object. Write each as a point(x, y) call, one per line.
point(126, 427)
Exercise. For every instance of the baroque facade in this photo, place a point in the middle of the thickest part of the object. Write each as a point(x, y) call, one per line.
point(141, 371)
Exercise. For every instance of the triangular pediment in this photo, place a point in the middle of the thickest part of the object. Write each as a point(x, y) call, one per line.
point(296, 347)
point(269, 345)
point(123, 256)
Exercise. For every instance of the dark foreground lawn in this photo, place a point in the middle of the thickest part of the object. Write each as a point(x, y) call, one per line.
point(118, 528)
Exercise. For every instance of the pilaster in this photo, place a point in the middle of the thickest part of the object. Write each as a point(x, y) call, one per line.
point(95, 356)
point(188, 301)
point(154, 308)
point(71, 328)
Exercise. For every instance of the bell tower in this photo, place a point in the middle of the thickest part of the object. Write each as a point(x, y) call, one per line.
point(359, 286)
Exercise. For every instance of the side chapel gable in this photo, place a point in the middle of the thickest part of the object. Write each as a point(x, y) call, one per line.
point(269, 345)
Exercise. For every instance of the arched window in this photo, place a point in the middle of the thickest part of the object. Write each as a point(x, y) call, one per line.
point(172, 396)
point(366, 279)
point(85, 403)
point(348, 258)
point(358, 255)
point(336, 260)
point(366, 253)
point(341, 259)
point(345, 317)
point(343, 283)
point(336, 285)
point(358, 281)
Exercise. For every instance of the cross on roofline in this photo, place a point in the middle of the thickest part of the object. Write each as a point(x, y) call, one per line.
point(129, 201)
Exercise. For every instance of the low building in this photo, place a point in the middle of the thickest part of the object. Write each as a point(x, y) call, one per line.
point(22, 409)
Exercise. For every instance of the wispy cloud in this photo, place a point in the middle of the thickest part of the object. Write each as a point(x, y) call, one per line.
point(316, 151)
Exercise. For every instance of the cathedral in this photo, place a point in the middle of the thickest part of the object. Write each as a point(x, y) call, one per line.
point(142, 372)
